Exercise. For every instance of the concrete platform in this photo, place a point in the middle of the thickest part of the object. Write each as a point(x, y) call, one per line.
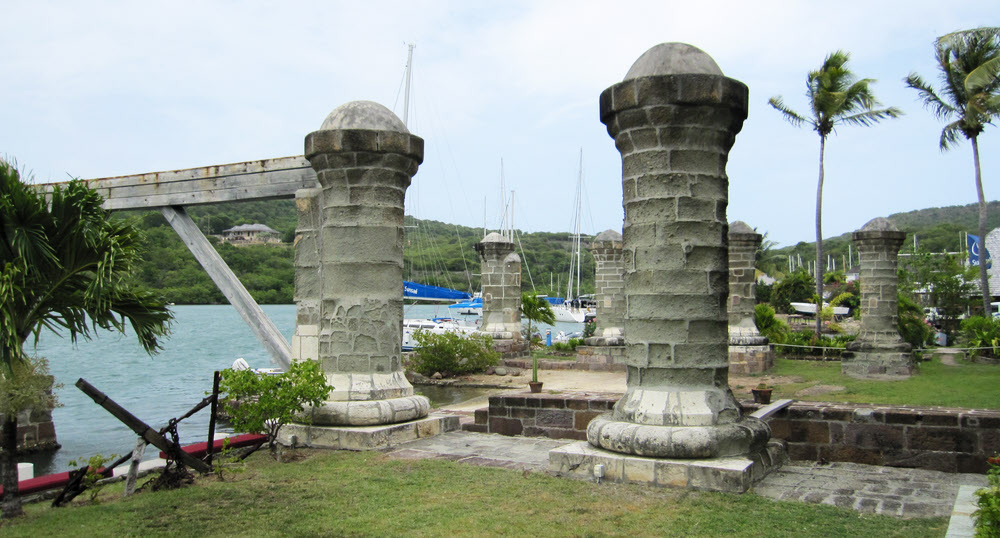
point(734, 474)
point(366, 437)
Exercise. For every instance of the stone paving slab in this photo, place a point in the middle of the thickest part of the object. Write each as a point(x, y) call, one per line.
point(865, 488)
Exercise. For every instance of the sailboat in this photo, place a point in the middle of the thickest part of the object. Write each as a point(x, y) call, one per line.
point(575, 309)
point(424, 292)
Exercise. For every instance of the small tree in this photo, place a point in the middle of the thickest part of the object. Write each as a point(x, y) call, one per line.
point(836, 97)
point(66, 264)
point(264, 403)
point(536, 309)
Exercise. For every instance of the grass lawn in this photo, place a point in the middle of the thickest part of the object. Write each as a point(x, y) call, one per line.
point(340, 493)
point(967, 385)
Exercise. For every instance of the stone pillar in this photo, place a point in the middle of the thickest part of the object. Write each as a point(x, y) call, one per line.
point(308, 279)
point(749, 352)
point(609, 281)
point(349, 274)
point(501, 280)
point(993, 245)
point(674, 119)
point(606, 349)
point(879, 352)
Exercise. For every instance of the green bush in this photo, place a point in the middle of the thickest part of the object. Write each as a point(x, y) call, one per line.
point(808, 338)
point(981, 331)
point(569, 345)
point(912, 327)
point(987, 515)
point(770, 326)
point(451, 353)
point(266, 402)
point(794, 288)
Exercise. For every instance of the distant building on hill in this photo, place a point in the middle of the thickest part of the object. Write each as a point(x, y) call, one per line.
point(251, 234)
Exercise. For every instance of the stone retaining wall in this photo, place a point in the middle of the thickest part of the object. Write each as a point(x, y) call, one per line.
point(940, 439)
point(35, 432)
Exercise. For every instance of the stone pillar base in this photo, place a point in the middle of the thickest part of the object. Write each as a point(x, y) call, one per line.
point(735, 439)
point(888, 364)
point(750, 359)
point(511, 349)
point(366, 437)
point(734, 474)
point(601, 357)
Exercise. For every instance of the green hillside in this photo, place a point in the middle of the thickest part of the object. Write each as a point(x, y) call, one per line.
point(434, 253)
point(938, 229)
point(442, 254)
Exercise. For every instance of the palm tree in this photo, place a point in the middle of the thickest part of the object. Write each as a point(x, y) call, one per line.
point(537, 309)
point(836, 97)
point(969, 63)
point(65, 265)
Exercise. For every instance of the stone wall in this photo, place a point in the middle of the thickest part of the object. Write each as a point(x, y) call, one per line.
point(35, 432)
point(940, 439)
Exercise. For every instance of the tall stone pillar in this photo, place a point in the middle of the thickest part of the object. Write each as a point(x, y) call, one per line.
point(501, 280)
point(879, 352)
point(349, 274)
point(749, 351)
point(609, 281)
point(308, 278)
point(605, 350)
point(674, 119)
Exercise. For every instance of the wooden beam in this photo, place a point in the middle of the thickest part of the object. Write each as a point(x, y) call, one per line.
point(252, 180)
point(141, 428)
point(767, 411)
point(262, 326)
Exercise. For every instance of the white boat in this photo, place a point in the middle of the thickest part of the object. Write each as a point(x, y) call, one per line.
point(575, 311)
point(810, 308)
point(473, 307)
point(436, 326)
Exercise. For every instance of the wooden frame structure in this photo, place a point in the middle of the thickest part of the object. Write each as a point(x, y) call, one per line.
point(172, 191)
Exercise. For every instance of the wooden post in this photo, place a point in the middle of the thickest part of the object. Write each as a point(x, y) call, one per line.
point(262, 326)
point(133, 468)
point(211, 417)
point(141, 428)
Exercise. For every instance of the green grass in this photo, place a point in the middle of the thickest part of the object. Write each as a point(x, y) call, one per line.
point(553, 355)
point(968, 385)
point(366, 494)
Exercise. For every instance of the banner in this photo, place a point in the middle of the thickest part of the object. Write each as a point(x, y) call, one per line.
point(973, 242)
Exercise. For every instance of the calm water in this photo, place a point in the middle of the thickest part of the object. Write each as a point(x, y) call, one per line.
point(158, 388)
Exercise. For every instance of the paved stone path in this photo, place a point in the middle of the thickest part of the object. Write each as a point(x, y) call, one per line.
point(865, 488)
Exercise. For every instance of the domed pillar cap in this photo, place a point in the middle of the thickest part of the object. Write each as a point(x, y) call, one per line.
point(673, 59)
point(363, 115)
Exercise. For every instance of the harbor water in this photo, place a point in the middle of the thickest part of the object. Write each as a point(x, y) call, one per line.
point(167, 385)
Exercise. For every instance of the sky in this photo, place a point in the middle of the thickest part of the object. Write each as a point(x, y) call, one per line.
point(100, 89)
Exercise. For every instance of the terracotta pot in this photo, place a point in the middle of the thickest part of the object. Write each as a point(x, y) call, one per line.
point(761, 396)
point(535, 386)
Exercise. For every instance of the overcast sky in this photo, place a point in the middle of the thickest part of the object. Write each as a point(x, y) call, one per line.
point(98, 89)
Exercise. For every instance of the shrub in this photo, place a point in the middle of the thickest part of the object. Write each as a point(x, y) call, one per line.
point(808, 339)
point(769, 325)
point(94, 473)
point(266, 402)
point(987, 515)
point(912, 327)
point(984, 332)
point(796, 287)
point(569, 345)
point(451, 353)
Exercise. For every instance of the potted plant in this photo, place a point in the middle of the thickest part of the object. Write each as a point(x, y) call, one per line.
point(535, 308)
point(762, 394)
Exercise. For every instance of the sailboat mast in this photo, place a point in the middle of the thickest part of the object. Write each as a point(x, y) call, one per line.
point(406, 95)
point(579, 211)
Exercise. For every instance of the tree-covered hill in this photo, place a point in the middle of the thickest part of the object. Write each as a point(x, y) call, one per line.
point(938, 229)
point(434, 253)
point(442, 254)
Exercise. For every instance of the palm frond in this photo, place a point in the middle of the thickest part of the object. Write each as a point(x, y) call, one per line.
point(790, 115)
point(949, 135)
point(983, 77)
point(929, 97)
point(871, 117)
